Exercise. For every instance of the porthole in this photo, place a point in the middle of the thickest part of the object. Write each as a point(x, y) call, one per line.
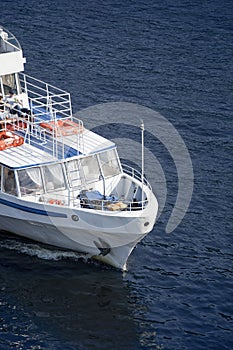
point(75, 217)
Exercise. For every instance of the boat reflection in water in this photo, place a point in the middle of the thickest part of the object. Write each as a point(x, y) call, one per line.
point(72, 304)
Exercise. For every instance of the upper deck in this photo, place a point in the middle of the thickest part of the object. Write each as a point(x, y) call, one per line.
point(51, 134)
point(39, 152)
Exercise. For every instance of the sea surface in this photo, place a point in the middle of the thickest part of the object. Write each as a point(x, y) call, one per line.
point(175, 58)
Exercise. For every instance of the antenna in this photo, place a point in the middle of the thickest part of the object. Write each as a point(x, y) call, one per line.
point(142, 176)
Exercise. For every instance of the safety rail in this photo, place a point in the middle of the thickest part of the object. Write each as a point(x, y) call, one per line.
point(49, 106)
point(71, 200)
point(114, 205)
point(135, 174)
point(51, 141)
point(45, 100)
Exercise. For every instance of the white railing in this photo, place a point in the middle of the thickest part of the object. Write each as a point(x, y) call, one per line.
point(45, 99)
point(135, 174)
point(51, 141)
point(71, 199)
point(48, 104)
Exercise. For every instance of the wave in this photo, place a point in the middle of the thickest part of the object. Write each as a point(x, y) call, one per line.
point(33, 249)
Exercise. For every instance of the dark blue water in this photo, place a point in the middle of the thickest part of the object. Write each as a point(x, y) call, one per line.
point(175, 58)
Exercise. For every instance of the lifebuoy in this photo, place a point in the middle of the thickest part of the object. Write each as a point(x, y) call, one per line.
point(8, 139)
point(63, 127)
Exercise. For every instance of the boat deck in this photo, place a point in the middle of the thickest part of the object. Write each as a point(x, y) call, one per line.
point(42, 148)
point(49, 106)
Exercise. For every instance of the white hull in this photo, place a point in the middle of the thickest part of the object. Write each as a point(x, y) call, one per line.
point(110, 238)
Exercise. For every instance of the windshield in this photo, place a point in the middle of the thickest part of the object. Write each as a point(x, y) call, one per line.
point(109, 163)
point(90, 168)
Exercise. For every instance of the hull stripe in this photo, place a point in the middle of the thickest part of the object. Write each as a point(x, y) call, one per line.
point(31, 210)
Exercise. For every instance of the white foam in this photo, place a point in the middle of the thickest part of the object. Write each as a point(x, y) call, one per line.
point(33, 249)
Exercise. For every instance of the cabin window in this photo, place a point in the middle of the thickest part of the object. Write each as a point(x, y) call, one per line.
point(9, 183)
point(30, 181)
point(90, 169)
point(109, 163)
point(53, 177)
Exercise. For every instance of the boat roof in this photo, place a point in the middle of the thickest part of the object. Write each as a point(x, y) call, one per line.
point(92, 142)
point(28, 155)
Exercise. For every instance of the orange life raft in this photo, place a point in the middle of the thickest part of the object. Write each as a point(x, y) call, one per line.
point(63, 127)
point(56, 201)
point(8, 139)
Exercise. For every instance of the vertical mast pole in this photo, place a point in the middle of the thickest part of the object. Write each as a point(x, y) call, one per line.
point(142, 178)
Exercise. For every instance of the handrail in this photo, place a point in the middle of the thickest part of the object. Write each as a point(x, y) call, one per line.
point(45, 98)
point(48, 139)
point(38, 81)
point(47, 104)
point(135, 174)
point(56, 198)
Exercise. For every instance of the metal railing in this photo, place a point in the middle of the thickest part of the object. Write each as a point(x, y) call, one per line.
point(45, 100)
point(135, 174)
point(71, 200)
point(51, 141)
point(48, 105)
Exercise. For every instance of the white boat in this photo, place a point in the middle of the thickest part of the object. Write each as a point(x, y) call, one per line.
point(62, 184)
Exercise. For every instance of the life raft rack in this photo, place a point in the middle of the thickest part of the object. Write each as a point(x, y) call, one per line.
point(9, 139)
point(62, 127)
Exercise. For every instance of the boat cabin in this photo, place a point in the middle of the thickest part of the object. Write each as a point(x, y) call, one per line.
point(61, 181)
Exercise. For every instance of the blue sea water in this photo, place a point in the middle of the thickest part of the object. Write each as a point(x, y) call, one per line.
point(175, 58)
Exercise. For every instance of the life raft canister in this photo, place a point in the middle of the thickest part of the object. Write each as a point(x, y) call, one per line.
point(63, 127)
point(8, 139)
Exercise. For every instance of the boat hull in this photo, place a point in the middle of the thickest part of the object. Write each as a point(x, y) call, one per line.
point(110, 238)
